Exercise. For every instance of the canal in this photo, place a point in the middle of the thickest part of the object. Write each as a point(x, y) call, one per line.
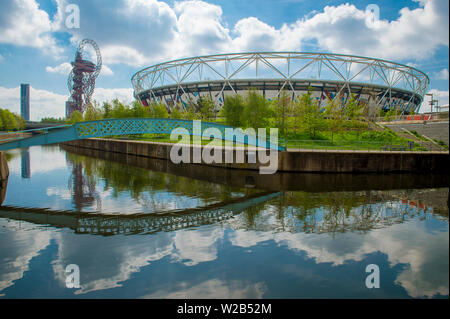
point(146, 228)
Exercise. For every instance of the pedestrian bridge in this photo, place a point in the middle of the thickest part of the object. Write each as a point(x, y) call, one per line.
point(128, 126)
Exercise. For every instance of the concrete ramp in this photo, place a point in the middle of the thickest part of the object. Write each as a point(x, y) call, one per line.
point(434, 130)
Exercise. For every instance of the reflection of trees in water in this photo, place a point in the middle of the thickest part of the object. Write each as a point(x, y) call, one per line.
point(150, 188)
point(346, 211)
point(332, 212)
point(293, 211)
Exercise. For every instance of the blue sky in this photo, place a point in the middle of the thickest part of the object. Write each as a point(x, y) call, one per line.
point(36, 45)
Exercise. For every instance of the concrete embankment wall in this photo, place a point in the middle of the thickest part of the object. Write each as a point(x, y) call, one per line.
point(4, 170)
point(4, 174)
point(295, 161)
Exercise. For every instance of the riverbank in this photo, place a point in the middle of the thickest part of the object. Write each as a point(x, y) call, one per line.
point(293, 160)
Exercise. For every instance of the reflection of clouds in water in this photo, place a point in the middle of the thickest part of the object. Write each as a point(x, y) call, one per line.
point(196, 246)
point(107, 262)
point(113, 261)
point(213, 288)
point(43, 160)
point(248, 239)
point(117, 258)
point(63, 193)
point(408, 243)
point(427, 256)
point(18, 248)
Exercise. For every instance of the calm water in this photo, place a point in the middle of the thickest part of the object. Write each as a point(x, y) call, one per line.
point(149, 229)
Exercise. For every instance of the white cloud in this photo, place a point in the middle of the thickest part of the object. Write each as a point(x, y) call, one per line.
point(139, 32)
point(49, 104)
point(200, 29)
point(23, 23)
point(63, 68)
point(255, 35)
point(102, 95)
point(117, 54)
point(66, 67)
point(412, 64)
point(128, 32)
point(343, 29)
point(1, 58)
point(196, 27)
point(106, 70)
point(441, 75)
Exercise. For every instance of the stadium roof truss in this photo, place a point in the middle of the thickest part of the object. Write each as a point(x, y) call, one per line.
point(292, 71)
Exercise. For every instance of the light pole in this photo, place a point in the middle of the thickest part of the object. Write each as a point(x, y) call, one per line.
point(437, 105)
point(431, 101)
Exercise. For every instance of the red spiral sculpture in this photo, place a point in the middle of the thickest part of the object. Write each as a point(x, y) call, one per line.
point(81, 81)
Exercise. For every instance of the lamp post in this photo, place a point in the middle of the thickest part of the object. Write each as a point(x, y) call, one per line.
point(431, 101)
point(437, 105)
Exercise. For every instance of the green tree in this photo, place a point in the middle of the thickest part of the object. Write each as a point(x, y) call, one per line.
point(256, 111)
point(159, 110)
point(139, 110)
point(233, 110)
point(334, 114)
point(381, 113)
point(353, 109)
point(176, 113)
point(192, 107)
point(107, 110)
point(190, 115)
point(392, 114)
point(92, 114)
point(20, 122)
point(282, 108)
point(119, 110)
point(75, 117)
point(52, 120)
point(9, 120)
point(354, 112)
point(297, 117)
point(206, 108)
point(309, 114)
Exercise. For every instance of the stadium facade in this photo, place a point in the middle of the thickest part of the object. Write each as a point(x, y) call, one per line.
point(378, 83)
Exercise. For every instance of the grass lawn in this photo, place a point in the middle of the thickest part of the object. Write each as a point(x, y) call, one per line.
point(345, 140)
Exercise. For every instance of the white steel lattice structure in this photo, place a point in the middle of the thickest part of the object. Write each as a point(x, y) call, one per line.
point(378, 83)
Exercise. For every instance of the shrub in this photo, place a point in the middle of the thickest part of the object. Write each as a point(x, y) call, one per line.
point(378, 136)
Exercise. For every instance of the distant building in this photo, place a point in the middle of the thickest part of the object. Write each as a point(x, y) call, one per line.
point(25, 101)
point(68, 106)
